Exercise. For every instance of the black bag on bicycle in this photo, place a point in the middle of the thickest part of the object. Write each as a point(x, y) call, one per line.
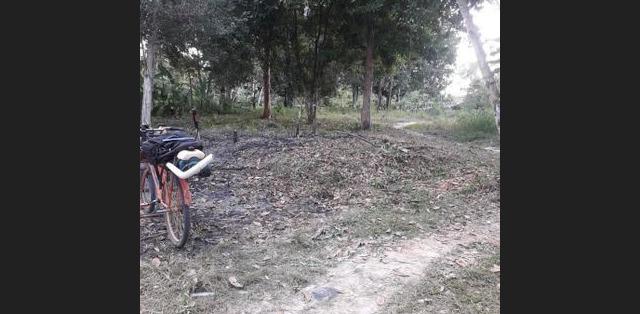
point(164, 148)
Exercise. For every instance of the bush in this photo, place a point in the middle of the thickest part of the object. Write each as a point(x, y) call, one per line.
point(472, 125)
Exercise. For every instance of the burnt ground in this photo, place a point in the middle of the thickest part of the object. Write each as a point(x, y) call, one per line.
point(391, 221)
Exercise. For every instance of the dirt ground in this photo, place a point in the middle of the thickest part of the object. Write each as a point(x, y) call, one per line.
point(387, 221)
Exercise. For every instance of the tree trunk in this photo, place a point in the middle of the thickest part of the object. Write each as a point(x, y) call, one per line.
point(365, 114)
point(190, 92)
point(386, 106)
point(258, 97)
point(487, 75)
point(288, 96)
point(253, 94)
point(312, 105)
point(380, 94)
point(266, 78)
point(354, 95)
point(389, 93)
point(149, 73)
point(222, 99)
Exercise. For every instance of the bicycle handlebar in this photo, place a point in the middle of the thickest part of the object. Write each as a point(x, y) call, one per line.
point(193, 170)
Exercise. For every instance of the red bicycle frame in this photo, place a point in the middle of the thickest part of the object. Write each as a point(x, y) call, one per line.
point(163, 195)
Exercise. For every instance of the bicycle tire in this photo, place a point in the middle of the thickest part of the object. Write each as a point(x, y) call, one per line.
point(146, 181)
point(177, 215)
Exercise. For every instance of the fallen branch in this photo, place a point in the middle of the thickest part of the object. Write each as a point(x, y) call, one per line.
point(358, 137)
point(233, 168)
point(154, 235)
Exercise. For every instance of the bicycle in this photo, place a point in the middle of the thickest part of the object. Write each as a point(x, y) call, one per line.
point(166, 185)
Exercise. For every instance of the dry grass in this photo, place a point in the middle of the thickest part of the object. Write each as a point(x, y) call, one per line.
point(453, 289)
point(298, 206)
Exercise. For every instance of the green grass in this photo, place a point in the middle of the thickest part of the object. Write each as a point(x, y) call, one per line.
point(461, 126)
point(474, 125)
point(464, 126)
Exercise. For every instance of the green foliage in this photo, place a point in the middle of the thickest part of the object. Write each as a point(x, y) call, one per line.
point(421, 101)
point(474, 124)
point(477, 96)
point(212, 52)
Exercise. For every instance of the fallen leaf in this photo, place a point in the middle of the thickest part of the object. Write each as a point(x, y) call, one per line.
point(155, 262)
point(307, 295)
point(234, 282)
point(461, 262)
point(495, 268)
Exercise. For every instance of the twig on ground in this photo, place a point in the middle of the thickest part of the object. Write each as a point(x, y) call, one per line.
point(358, 137)
point(231, 168)
point(154, 235)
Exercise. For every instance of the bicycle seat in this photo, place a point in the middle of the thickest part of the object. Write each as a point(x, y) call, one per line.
point(188, 154)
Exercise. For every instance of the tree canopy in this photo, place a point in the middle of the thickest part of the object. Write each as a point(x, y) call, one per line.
point(300, 52)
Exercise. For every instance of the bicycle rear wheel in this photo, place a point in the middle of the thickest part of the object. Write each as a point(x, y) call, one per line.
point(177, 214)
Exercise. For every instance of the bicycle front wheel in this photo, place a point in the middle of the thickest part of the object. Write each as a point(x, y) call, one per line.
point(177, 214)
point(147, 190)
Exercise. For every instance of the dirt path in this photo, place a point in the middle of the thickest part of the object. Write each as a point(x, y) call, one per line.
point(357, 286)
point(402, 125)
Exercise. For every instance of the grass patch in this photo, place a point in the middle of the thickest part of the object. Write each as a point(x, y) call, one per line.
point(468, 290)
point(474, 125)
point(463, 126)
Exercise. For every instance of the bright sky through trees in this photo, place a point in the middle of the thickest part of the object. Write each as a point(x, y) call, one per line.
point(488, 22)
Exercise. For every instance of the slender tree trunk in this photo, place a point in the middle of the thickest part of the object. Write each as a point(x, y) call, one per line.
point(289, 90)
point(489, 80)
point(201, 88)
point(354, 95)
point(386, 106)
point(148, 75)
point(209, 92)
point(266, 78)
point(365, 114)
point(380, 83)
point(389, 93)
point(254, 93)
point(288, 96)
point(312, 103)
point(223, 99)
point(312, 107)
point(231, 96)
point(190, 92)
point(298, 74)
